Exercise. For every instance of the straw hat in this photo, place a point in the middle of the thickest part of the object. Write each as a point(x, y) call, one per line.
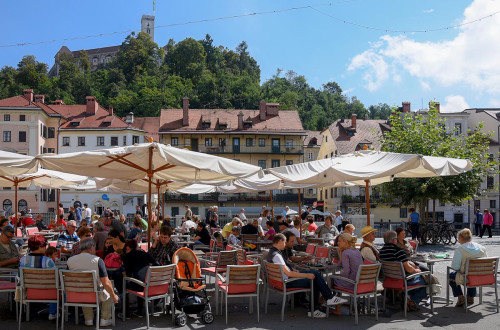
point(367, 230)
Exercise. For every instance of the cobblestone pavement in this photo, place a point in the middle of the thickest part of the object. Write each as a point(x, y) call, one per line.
point(445, 317)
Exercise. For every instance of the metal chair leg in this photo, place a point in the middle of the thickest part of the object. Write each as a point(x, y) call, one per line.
point(355, 310)
point(147, 313)
point(283, 307)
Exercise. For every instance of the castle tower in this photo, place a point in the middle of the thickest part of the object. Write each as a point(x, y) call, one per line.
point(148, 25)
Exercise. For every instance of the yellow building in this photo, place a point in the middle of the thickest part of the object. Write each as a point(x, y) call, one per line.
point(266, 137)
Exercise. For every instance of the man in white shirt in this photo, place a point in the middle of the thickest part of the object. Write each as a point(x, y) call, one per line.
point(188, 224)
point(87, 212)
point(285, 211)
point(338, 220)
point(242, 215)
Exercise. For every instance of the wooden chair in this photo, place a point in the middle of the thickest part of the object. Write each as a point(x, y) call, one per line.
point(316, 241)
point(395, 278)
point(311, 249)
point(30, 231)
point(479, 273)
point(277, 282)
point(81, 290)
point(38, 286)
point(240, 281)
point(365, 285)
point(158, 284)
point(8, 285)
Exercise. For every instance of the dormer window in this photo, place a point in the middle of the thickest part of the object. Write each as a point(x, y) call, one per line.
point(223, 126)
point(247, 125)
point(205, 125)
point(75, 124)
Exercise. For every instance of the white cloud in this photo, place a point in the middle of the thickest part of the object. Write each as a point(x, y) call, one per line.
point(469, 60)
point(425, 86)
point(428, 11)
point(454, 103)
point(347, 91)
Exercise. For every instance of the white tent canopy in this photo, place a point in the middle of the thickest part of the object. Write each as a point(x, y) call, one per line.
point(16, 164)
point(136, 186)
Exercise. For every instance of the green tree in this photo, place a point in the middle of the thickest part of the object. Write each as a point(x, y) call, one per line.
point(427, 135)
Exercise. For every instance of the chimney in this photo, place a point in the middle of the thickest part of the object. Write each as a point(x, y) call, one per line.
point(28, 93)
point(438, 106)
point(40, 98)
point(185, 111)
point(240, 120)
point(110, 110)
point(58, 102)
point(130, 118)
point(262, 110)
point(92, 106)
point(406, 107)
point(353, 120)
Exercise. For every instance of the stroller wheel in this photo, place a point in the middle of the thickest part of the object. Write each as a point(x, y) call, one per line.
point(207, 317)
point(181, 320)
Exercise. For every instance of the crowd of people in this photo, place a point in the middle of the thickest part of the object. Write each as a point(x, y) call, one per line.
point(108, 246)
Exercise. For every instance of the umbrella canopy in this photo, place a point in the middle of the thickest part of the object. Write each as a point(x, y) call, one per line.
point(377, 166)
point(136, 186)
point(16, 164)
point(291, 212)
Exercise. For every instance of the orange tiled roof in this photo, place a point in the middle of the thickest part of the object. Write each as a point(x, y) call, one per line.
point(313, 138)
point(286, 122)
point(367, 132)
point(77, 114)
point(149, 124)
point(20, 101)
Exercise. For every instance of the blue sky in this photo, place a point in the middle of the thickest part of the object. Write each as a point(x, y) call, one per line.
point(458, 67)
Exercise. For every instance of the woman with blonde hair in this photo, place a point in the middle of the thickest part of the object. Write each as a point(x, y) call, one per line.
point(350, 260)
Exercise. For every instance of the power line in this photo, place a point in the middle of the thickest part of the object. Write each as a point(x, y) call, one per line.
point(276, 11)
point(404, 31)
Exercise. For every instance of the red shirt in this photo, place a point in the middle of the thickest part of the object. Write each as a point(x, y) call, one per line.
point(26, 222)
point(61, 221)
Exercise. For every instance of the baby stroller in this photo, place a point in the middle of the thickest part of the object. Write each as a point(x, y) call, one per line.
point(190, 291)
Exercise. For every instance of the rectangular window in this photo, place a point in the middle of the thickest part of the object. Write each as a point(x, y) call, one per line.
point(335, 191)
point(249, 142)
point(45, 132)
point(288, 143)
point(326, 193)
point(51, 150)
point(458, 128)
point(6, 136)
point(124, 140)
point(262, 142)
point(222, 142)
point(331, 192)
point(51, 132)
point(493, 204)
point(41, 130)
point(100, 140)
point(262, 163)
point(174, 141)
point(65, 141)
point(22, 117)
point(310, 156)
point(81, 141)
point(22, 136)
point(114, 141)
point(477, 205)
point(208, 142)
point(403, 212)
point(490, 182)
point(187, 142)
point(289, 162)
point(310, 191)
point(275, 163)
point(6, 117)
point(135, 139)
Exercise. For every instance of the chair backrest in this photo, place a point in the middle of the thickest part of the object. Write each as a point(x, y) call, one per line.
point(80, 286)
point(230, 247)
point(226, 258)
point(322, 252)
point(39, 284)
point(249, 237)
point(317, 241)
point(53, 243)
point(275, 275)
point(242, 279)
point(366, 279)
point(481, 271)
point(311, 248)
point(159, 280)
point(394, 273)
point(19, 232)
point(31, 231)
point(144, 246)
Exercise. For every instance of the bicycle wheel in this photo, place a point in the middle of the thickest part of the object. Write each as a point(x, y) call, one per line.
point(429, 236)
point(453, 238)
point(445, 237)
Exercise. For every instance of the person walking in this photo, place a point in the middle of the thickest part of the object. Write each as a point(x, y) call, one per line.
point(414, 220)
point(478, 222)
point(487, 223)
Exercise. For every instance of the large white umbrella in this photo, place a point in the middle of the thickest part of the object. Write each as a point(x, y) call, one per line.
point(363, 167)
point(16, 164)
point(42, 178)
point(150, 161)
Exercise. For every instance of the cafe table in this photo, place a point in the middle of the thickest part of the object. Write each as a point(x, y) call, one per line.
point(431, 260)
point(260, 243)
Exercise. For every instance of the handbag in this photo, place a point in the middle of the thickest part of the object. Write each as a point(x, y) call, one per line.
point(113, 260)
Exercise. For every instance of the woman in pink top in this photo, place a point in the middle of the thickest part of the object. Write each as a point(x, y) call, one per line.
point(270, 230)
point(487, 222)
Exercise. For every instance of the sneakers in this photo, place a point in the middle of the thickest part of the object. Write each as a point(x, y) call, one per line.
point(335, 301)
point(317, 314)
point(52, 317)
point(89, 323)
point(106, 323)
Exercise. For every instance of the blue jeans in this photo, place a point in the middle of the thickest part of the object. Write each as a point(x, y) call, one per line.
point(418, 294)
point(319, 286)
point(415, 230)
point(53, 308)
point(457, 288)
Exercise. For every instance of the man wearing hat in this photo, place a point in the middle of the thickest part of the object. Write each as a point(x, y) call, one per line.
point(68, 238)
point(367, 248)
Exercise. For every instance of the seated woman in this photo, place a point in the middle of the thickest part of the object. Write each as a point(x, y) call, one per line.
point(467, 249)
point(61, 223)
point(403, 244)
point(233, 237)
point(37, 245)
point(134, 233)
point(350, 260)
point(270, 230)
point(117, 244)
point(52, 224)
point(136, 263)
point(83, 232)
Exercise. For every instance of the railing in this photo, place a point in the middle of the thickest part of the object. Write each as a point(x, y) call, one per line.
point(244, 149)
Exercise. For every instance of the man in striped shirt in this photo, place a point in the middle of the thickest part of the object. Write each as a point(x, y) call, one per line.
point(391, 252)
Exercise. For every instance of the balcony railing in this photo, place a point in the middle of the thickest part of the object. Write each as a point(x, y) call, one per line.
point(243, 149)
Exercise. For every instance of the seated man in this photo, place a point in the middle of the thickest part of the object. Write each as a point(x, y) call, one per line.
point(87, 260)
point(249, 229)
point(288, 251)
point(68, 238)
point(202, 235)
point(39, 223)
point(328, 230)
point(349, 229)
point(368, 249)
point(228, 228)
point(391, 252)
point(164, 247)
point(9, 254)
point(275, 256)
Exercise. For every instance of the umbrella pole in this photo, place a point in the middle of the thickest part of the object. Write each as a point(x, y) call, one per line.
point(158, 207)
point(150, 174)
point(272, 205)
point(367, 190)
point(16, 183)
point(300, 214)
